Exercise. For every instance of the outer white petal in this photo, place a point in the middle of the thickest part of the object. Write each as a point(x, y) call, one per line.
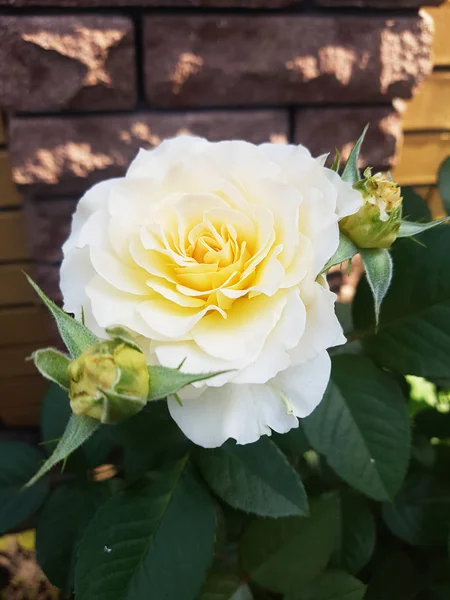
point(323, 329)
point(75, 274)
point(156, 162)
point(274, 356)
point(303, 386)
point(349, 200)
point(241, 412)
point(93, 200)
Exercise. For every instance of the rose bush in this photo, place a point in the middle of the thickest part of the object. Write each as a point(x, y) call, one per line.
point(211, 253)
point(210, 258)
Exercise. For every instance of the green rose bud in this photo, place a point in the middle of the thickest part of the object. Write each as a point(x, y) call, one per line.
point(377, 222)
point(109, 382)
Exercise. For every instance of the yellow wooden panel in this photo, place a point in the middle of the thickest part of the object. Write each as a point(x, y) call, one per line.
point(25, 326)
point(441, 45)
point(420, 157)
point(14, 288)
point(20, 400)
point(9, 196)
point(430, 108)
point(13, 361)
point(13, 245)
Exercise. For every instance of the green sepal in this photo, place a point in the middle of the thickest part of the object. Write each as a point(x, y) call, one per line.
point(52, 364)
point(351, 172)
point(379, 268)
point(74, 334)
point(346, 250)
point(166, 382)
point(78, 431)
point(119, 407)
point(337, 162)
point(408, 229)
point(124, 335)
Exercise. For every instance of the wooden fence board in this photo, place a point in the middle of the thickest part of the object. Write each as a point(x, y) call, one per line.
point(430, 108)
point(13, 244)
point(25, 326)
point(14, 288)
point(420, 157)
point(20, 400)
point(9, 196)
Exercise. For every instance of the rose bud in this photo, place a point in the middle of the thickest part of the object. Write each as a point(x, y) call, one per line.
point(109, 382)
point(377, 222)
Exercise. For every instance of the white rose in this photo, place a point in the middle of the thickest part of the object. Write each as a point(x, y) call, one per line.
point(212, 253)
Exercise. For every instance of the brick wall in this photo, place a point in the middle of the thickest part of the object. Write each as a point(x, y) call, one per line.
point(85, 83)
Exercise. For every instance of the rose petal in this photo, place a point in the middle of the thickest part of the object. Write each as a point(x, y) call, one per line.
point(303, 386)
point(241, 412)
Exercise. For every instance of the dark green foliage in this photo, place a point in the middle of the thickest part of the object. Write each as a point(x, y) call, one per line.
point(18, 463)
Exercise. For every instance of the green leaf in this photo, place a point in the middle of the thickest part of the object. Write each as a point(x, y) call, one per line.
point(356, 537)
point(346, 250)
point(60, 526)
point(55, 416)
point(433, 424)
point(74, 334)
point(362, 427)
point(225, 586)
point(165, 382)
point(150, 439)
point(331, 585)
point(77, 432)
point(344, 314)
point(153, 540)
point(420, 514)
point(414, 206)
point(414, 331)
point(294, 443)
point(284, 554)
point(396, 578)
point(351, 172)
point(408, 229)
point(18, 462)
point(378, 266)
point(444, 183)
point(255, 478)
point(53, 364)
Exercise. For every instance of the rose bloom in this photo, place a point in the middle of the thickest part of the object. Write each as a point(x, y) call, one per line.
point(212, 253)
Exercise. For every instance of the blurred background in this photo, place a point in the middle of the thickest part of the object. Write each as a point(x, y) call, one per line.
point(84, 84)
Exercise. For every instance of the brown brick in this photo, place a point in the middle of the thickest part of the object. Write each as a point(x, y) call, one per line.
point(323, 130)
point(295, 59)
point(66, 155)
point(155, 3)
point(47, 225)
point(71, 62)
